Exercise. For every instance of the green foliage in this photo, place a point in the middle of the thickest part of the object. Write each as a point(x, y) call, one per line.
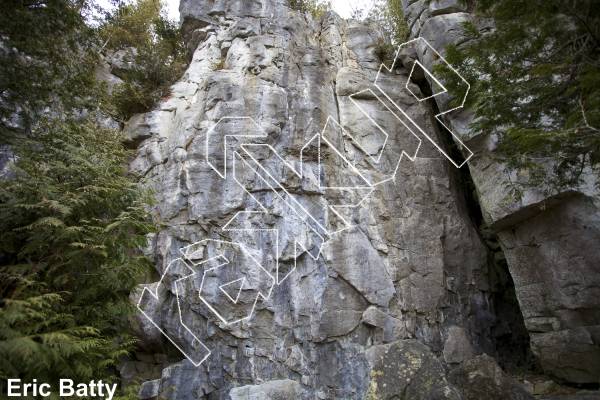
point(536, 83)
point(317, 8)
point(160, 55)
point(71, 221)
point(46, 54)
point(388, 15)
point(130, 25)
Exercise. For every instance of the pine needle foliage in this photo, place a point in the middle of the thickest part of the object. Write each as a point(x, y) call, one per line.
point(46, 53)
point(71, 221)
point(536, 83)
point(71, 218)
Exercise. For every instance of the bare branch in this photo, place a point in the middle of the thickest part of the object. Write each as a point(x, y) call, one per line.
point(585, 118)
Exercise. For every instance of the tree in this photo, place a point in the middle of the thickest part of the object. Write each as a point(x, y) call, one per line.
point(536, 83)
point(72, 220)
point(388, 16)
point(159, 60)
point(46, 54)
point(316, 8)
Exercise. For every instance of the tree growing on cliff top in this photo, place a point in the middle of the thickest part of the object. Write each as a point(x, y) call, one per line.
point(316, 8)
point(388, 17)
point(536, 82)
point(159, 54)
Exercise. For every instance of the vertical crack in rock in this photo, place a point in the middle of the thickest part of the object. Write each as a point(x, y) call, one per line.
point(546, 238)
point(510, 339)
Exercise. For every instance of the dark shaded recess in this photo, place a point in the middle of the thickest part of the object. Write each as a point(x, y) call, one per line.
point(508, 331)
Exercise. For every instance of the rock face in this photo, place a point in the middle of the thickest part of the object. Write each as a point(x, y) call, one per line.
point(272, 390)
point(406, 282)
point(482, 378)
point(407, 370)
point(549, 238)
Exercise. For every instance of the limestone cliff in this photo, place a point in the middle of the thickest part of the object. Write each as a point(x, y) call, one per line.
point(408, 289)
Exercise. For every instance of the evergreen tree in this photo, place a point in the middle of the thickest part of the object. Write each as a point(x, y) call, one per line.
point(46, 55)
point(536, 83)
point(71, 221)
point(316, 8)
point(71, 218)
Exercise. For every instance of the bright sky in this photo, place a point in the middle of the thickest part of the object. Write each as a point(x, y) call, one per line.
point(343, 7)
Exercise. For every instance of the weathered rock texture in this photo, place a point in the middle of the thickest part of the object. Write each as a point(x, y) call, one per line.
point(412, 285)
point(550, 238)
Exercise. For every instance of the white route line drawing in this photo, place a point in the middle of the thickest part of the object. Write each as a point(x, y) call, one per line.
point(439, 116)
point(195, 341)
point(412, 71)
point(243, 279)
point(381, 152)
point(315, 225)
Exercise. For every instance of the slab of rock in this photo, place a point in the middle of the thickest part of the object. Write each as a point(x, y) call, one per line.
point(342, 308)
point(272, 390)
point(457, 346)
point(355, 259)
point(393, 328)
point(482, 378)
point(407, 370)
point(122, 61)
point(149, 390)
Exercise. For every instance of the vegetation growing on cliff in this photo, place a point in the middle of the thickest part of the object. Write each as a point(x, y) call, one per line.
point(316, 8)
point(536, 83)
point(389, 17)
point(159, 54)
point(71, 221)
point(46, 54)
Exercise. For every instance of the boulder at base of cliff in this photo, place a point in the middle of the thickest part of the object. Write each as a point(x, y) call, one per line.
point(407, 370)
point(482, 378)
point(273, 390)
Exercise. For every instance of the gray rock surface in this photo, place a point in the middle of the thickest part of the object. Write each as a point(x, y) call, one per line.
point(272, 390)
point(457, 347)
point(482, 378)
point(407, 370)
point(121, 61)
point(408, 285)
point(149, 389)
point(549, 238)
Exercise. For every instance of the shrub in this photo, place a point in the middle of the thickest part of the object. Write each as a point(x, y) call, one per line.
point(317, 8)
point(160, 57)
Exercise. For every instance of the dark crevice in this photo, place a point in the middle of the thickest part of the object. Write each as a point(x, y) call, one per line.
point(508, 332)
